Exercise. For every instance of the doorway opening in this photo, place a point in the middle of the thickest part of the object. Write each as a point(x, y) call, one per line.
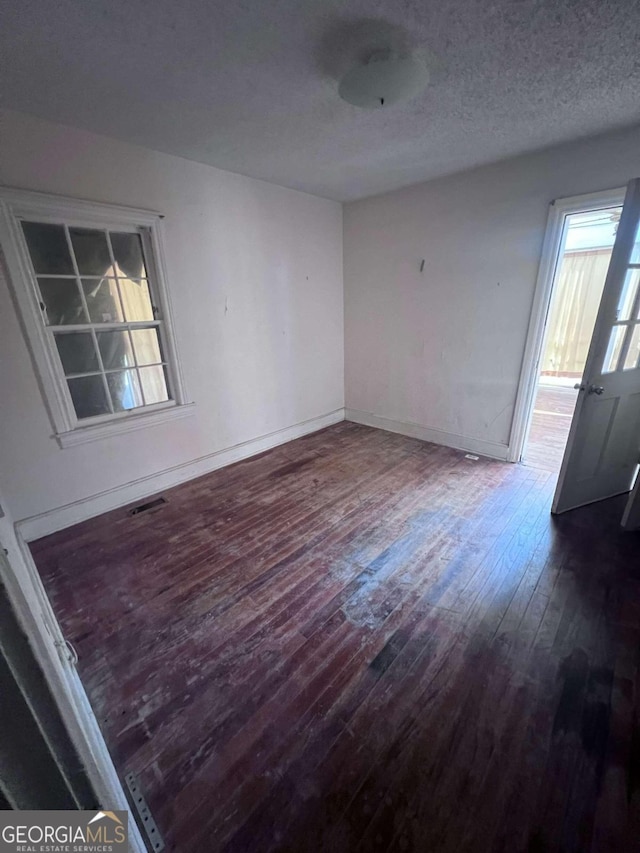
point(577, 285)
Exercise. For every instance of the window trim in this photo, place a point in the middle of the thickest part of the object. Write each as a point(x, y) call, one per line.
point(16, 204)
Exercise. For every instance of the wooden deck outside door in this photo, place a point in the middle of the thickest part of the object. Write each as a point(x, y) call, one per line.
point(604, 441)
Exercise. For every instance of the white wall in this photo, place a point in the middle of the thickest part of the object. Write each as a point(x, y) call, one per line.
point(443, 349)
point(255, 273)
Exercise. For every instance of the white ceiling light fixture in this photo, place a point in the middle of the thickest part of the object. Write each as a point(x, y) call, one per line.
point(384, 79)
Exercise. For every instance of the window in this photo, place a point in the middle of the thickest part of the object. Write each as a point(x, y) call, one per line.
point(88, 282)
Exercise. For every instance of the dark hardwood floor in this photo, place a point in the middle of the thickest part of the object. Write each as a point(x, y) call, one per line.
point(363, 642)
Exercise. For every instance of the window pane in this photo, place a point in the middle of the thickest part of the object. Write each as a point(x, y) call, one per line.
point(613, 350)
point(89, 397)
point(48, 248)
point(124, 388)
point(146, 345)
point(154, 384)
point(102, 300)
point(115, 349)
point(77, 352)
point(628, 295)
point(635, 251)
point(127, 251)
point(91, 251)
point(633, 355)
point(136, 299)
point(62, 301)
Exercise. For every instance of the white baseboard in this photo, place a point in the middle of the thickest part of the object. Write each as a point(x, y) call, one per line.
point(48, 522)
point(437, 436)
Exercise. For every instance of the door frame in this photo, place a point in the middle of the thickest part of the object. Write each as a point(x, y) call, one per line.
point(57, 660)
point(552, 251)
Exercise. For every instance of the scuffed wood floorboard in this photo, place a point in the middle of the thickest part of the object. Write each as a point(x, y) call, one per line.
point(363, 642)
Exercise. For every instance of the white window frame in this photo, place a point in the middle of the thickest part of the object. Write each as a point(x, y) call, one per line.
point(16, 205)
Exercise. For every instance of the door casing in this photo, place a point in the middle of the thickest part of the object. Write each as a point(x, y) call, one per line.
point(601, 454)
point(32, 607)
point(552, 252)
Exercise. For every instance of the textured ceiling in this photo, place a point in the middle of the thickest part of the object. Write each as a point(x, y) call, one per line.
point(251, 85)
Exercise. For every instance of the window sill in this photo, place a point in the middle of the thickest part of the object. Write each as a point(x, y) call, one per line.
point(129, 423)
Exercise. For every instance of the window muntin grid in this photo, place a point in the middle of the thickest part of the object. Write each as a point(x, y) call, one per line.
point(623, 349)
point(96, 300)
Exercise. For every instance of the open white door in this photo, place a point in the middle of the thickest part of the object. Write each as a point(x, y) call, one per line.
point(604, 442)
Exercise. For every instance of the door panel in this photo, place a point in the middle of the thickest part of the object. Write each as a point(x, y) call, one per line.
point(604, 441)
point(631, 515)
